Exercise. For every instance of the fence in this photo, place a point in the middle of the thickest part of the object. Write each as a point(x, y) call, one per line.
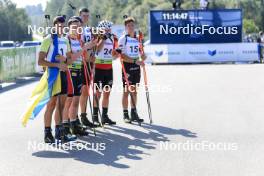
point(17, 62)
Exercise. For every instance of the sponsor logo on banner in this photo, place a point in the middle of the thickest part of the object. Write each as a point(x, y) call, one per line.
point(212, 53)
point(175, 53)
point(159, 53)
point(249, 52)
point(197, 52)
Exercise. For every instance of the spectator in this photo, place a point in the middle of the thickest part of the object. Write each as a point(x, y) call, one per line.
point(261, 34)
point(177, 4)
point(260, 41)
point(204, 4)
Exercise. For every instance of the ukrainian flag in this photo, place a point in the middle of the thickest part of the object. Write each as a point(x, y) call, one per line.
point(49, 85)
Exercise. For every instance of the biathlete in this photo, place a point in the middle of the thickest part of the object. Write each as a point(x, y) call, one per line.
point(75, 79)
point(63, 57)
point(86, 37)
point(103, 79)
point(132, 60)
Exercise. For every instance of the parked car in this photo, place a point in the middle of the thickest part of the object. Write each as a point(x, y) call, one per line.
point(7, 44)
point(30, 43)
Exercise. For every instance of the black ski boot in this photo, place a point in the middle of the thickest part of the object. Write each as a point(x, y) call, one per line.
point(48, 137)
point(107, 120)
point(68, 136)
point(96, 120)
point(135, 117)
point(78, 122)
point(126, 117)
point(61, 135)
point(95, 116)
point(77, 129)
point(86, 122)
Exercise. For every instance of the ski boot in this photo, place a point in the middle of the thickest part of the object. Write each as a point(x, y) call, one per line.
point(107, 120)
point(48, 137)
point(77, 129)
point(126, 117)
point(62, 135)
point(96, 120)
point(136, 118)
point(86, 122)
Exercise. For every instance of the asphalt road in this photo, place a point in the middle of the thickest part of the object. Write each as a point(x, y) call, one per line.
point(208, 121)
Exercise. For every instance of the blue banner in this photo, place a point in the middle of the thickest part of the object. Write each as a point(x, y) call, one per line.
point(195, 26)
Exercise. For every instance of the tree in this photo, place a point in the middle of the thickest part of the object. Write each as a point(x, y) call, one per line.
point(250, 26)
point(114, 10)
point(13, 22)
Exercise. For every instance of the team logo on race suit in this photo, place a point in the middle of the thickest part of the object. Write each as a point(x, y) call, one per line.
point(159, 53)
point(212, 53)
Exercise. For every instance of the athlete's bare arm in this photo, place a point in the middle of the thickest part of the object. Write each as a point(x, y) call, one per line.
point(100, 45)
point(43, 62)
point(126, 58)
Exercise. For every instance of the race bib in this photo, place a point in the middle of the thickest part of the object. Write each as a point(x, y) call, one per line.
point(132, 47)
point(106, 52)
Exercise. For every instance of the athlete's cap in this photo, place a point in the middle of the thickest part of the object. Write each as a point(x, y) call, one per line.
point(58, 19)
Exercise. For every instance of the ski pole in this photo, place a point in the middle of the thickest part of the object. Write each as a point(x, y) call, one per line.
point(72, 7)
point(59, 109)
point(94, 92)
point(145, 78)
point(88, 87)
point(47, 18)
point(84, 54)
point(98, 16)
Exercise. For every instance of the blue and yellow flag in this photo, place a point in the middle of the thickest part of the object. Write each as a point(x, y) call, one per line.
point(48, 86)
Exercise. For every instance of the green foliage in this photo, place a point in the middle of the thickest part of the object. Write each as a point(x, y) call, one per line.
point(250, 26)
point(114, 10)
point(13, 22)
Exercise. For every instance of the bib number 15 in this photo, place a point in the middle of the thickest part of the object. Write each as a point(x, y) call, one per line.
point(134, 49)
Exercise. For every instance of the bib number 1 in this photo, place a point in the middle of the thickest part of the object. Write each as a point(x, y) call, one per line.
point(62, 53)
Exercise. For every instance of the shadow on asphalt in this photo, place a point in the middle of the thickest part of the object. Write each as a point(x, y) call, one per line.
point(20, 82)
point(122, 143)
